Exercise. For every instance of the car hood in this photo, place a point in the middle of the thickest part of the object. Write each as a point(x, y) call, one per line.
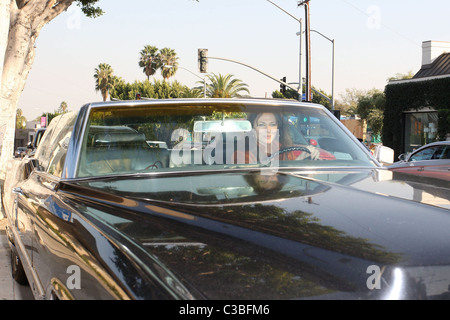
point(317, 234)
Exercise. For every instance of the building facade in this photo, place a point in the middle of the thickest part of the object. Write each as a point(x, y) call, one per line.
point(418, 109)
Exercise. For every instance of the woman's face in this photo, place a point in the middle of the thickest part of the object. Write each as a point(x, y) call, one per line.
point(266, 128)
point(267, 182)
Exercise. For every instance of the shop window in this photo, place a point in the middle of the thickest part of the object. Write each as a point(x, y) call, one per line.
point(420, 129)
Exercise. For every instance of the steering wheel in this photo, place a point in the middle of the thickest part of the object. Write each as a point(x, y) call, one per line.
point(156, 165)
point(284, 150)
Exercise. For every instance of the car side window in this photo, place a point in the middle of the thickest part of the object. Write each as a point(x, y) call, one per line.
point(42, 151)
point(52, 151)
point(431, 153)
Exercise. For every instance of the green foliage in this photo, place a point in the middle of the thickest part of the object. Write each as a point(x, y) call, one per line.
point(292, 94)
point(444, 123)
point(89, 9)
point(317, 98)
point(278, 95)
point(169, 62)
point(370, 107)
point(63, 107)
point(193, 93)
point(104, 79)
point(154, 90)
point(401, 76)
point(289, 94)
point(50, 115)
point(413, 96)
point(224, 86)
point(375, 121)
point(20, 119)
point(348, 103)
point(149, 60)
point(373, 100)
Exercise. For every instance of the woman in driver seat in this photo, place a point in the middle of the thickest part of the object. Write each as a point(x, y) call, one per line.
point(273, 140)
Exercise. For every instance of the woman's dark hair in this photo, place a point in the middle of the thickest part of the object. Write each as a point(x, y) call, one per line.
point(283, 127)
point(252, 117)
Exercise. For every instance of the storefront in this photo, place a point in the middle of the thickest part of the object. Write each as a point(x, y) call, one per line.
point(417, 110)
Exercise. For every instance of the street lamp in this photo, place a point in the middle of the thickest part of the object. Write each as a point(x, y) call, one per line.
point(332, 68)
point(300, 89)
point(308, 48)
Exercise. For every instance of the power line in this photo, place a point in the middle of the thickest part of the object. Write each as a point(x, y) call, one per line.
point(382, 24)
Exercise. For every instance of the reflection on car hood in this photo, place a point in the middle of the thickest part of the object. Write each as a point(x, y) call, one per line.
point(321, 231)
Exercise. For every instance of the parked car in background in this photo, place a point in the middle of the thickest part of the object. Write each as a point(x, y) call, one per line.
point(232, 202)
point(32, 145)
point(38, 137)
point(20, 152)
point(431, 160)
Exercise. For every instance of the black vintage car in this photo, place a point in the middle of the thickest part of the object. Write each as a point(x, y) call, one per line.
point(220, 199)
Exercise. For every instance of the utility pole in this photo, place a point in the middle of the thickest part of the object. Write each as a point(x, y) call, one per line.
point(308, 49)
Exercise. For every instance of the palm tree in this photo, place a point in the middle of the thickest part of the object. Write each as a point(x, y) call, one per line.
point(192, 93)
point(149, 60)
point(63, 108)
point(20, 119)
point(225, 87)
point(104, 79)
point(169, 62)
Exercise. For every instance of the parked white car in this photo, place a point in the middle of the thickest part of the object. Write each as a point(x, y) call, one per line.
point(431, 160)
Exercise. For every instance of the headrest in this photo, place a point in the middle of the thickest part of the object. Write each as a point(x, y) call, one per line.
point(108, 138)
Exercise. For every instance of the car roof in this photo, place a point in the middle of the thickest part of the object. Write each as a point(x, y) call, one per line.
point(215, 101)
point(437, 143)
point(434, 144)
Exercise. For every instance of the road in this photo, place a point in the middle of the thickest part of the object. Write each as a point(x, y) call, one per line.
point(9, 289)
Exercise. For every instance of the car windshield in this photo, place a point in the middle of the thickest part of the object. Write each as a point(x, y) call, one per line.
point(170, 137)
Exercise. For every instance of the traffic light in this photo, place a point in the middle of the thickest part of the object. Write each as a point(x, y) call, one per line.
point(203, 60)
point(283, 86)
point(138, 96)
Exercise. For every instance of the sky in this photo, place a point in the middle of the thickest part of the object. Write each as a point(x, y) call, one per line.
point(373, 40)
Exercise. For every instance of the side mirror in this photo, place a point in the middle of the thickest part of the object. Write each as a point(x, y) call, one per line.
point(384, 155)
point(402, 157)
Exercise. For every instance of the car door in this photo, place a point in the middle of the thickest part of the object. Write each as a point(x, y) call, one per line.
point(48, 242)
point(20, 216)
point(25, 204)
point(24, 222)
point(35, 193)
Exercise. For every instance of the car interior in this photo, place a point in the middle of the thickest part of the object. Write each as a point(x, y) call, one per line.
point(122, 141)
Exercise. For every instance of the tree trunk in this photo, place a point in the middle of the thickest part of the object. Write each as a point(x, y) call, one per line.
point(4, 30)
point(25, 24)
point(17, 64)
